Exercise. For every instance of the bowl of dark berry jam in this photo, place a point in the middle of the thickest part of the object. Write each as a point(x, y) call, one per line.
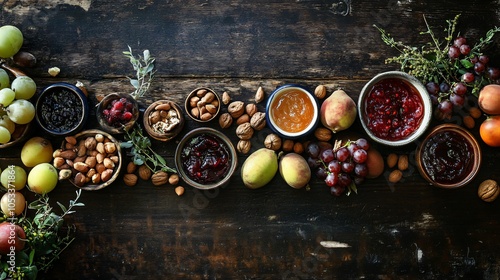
point(61, 109)
point(394, 108)
point(448, 157)
point(117, 112)
point(205, 158)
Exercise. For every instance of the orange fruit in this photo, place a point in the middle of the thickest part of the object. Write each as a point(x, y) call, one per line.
point(490, 131)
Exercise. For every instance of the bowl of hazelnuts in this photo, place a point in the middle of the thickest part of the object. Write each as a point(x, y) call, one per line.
point(163, 120)
point(202, 104)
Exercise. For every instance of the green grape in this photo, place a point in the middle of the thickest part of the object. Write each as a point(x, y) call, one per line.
point(4, 79)
point(6, 96)
point(11, 40)
point(21, 111)
point(6, 122)
point(17, 175)
point(4, 135)
point(24, 87)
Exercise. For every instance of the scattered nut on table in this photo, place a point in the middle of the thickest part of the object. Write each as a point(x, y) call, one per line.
point(488, 190)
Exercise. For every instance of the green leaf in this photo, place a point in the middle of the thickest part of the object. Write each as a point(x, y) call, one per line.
point(31, 257)
point(134, 83)
point(126, 145)
point(63, 208)
point(466, 63)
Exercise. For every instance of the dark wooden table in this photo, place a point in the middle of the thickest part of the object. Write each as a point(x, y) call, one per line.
point(408, 230)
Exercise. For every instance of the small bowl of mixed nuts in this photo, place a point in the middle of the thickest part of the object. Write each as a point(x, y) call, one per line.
point(202, 104)
point(205, 158)
point(90, 160)
point(163, 120)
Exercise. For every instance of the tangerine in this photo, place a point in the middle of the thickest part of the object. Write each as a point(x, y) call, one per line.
point(490, 131)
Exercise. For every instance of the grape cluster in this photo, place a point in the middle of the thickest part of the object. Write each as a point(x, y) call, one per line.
point(341, 166)
point(473, 71)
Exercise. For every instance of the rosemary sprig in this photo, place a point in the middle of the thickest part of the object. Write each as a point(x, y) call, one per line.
point(143, 65)
point(142, 153)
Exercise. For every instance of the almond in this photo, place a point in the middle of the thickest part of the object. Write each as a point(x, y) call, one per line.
point(106, 175)
point(392, 160)
point(395, 176)
point(403, 162)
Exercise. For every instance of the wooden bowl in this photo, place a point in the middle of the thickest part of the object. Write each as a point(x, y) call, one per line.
point(106, 103)
point(116, 170)
point(20, 134)
point(168, 114)
point(200, 116)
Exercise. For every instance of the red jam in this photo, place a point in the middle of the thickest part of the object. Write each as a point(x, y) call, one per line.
point(206, 159)
point(447, 157)
point(394, 109)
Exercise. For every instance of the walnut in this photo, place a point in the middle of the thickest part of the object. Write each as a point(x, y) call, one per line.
point(159, 178)
point(226, 98)
point(236, 109)
point(225, 120)
point(259, 95)
point(320, 92)
point(488, 190)
point(144, 172)
point(272, 142)
point(131, 167)
point(251, 109)
point(323, 134)
point(244, 146)
point(258, 121)
point(244, 131)
point(130, 179)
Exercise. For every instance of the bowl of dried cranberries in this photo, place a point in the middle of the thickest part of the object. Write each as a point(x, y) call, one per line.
point(61, 109)
point(205, 158)
point(117, 112)
point(394, 108)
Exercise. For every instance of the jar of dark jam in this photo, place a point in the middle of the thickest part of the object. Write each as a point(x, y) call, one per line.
point(449, 156)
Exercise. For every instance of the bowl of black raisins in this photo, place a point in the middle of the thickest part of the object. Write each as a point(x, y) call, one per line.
point(61, 109)
point(205, 158)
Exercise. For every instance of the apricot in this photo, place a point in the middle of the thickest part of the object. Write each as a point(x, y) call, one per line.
point(490, 131)
point(489, 99)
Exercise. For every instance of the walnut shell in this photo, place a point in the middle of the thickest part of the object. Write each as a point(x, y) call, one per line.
point(488, 190)
point(258, 121)
point(159, 178)
point(320, 92)
point(272, 142)
point(225, 120)
point(144, 172)
point(130, 179)
point(244, 131)
point(236, 109)
point(244, 146)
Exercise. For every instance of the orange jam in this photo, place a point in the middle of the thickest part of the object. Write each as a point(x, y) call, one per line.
point(292, 110)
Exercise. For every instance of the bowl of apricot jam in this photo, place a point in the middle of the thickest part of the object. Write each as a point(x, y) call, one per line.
point(292, 111)
point(448, 157)
point(394, 108)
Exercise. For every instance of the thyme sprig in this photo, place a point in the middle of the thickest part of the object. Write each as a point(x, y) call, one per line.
point(430, 62)
point(144, 67)
point(142, 153)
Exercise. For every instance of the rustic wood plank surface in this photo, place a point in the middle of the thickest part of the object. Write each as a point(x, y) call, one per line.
point(408, 230)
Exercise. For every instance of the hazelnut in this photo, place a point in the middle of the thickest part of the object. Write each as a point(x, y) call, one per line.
point(298, 148)
point(71, 140)
point(287, 145)
point(251, 109)
point(79, 179)
point(90, 143)
point(243, 119)
point(173, 179)
point(179, 190)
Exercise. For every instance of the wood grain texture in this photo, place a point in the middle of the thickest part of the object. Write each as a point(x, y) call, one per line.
point(408, 230)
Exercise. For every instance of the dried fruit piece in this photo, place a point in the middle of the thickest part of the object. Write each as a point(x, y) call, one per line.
point(469, 121)
point(287, 145)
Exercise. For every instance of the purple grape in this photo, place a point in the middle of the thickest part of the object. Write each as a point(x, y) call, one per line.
point(459, 41)
point(493, 73)
point(337, 190)
point(331, 179)
point(313, 149)
point(327, 155)
point(321, 173)
point(363, 144)
point(348, 167)
point(432, 88)
point(344, 179)
point(479, 67)
point(465, 49)
point(360, 156)
point(334, 166)
point(484, 59)
point(343, 154)
point(361, 170)
point(453, 52)
point(457, 100)
point(444, 87)
point(460, 88)
point(468, 77)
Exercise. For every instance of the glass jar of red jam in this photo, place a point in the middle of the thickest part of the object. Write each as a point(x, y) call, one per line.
point(449, 156)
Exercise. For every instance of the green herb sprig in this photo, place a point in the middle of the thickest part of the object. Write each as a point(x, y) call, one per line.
point(46, 238)
point(142, 153)
point(143, 65)
point(430, 62)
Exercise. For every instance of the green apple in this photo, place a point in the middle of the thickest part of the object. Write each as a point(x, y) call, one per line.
point(43, 178)
point(36, 150)
point(13, 176)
